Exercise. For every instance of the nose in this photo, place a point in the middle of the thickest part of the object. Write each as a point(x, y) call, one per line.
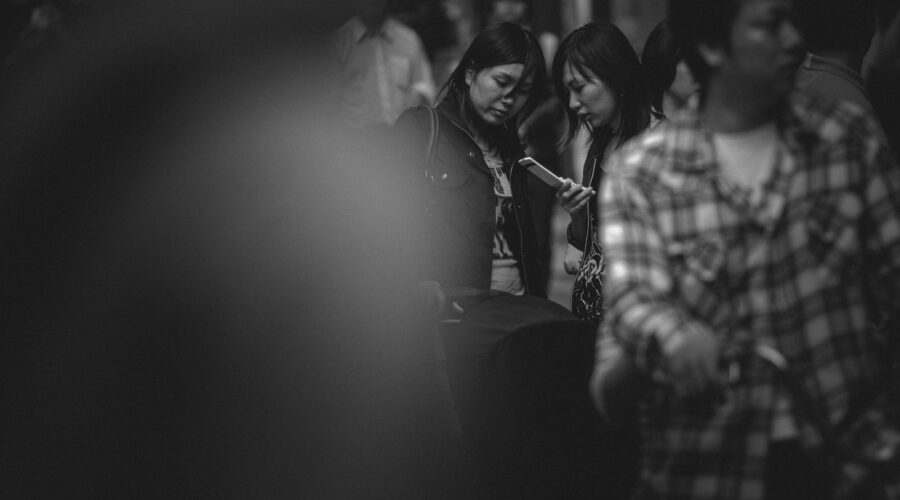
point(573, 101)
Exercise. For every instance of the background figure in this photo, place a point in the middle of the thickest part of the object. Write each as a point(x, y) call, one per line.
point(475, 200)
point(33, 31)
point(383, 65)
point(597, 73)
point(838, 34)
point(883, 72)
point(669, 79)
point(190, 311)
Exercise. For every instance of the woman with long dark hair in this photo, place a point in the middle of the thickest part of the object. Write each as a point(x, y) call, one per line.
point(597, 73)
point(669, 80)
point(465, 149)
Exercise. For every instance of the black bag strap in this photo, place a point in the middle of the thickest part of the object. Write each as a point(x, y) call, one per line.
point(431, 146)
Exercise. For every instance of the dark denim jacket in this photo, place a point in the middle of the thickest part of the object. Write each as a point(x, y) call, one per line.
point(460, 204)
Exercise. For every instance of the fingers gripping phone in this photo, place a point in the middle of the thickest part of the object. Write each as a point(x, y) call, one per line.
point(542, 172)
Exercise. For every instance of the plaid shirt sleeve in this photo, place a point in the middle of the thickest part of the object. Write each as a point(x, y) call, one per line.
point(882, 218)
point(639, 281)
point(878, 428)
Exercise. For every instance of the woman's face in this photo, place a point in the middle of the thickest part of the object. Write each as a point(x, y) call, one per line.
point(495, 92)
point(590, 98)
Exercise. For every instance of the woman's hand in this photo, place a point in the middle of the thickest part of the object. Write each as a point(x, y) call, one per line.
point(574, 197)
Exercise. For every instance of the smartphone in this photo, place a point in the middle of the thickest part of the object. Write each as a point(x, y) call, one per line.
point(541, 172)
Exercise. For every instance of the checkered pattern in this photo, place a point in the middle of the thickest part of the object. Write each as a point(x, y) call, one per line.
point(688, 252)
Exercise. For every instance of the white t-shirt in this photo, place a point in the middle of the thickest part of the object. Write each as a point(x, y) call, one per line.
point(505, 276)
point(747, 159)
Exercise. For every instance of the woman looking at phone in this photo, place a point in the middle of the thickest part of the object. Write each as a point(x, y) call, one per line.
point(480, 232)
point(597, 73)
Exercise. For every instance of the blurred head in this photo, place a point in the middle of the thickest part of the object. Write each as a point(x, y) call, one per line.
point(508, 11)
point(498, 81)
point(837, 25)
point(597, 73)
point(665, 68)
point(372, 12)
point(750, 45)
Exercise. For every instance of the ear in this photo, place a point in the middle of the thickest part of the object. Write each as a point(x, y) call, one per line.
point(470, 76)
point(713, 56)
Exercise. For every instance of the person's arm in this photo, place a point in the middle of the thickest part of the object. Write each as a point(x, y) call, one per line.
point(410, 135)
point(642, 310)
point(881, 224)
point(423, 80)
point(877, 426)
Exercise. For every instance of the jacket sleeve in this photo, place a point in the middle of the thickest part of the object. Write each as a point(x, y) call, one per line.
point(411, 134)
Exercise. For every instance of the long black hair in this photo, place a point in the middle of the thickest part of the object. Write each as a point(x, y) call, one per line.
point(496, 45)
point(661, 55)
point(601, 48)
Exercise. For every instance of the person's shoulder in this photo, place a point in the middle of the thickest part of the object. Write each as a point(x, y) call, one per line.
point(648, 152)
point(350, 30)
point(415, 117)
point(832, 121)
point(403, 35)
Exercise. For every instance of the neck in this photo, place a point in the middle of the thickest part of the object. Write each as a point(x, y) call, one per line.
point(729, 110)
point(616, 125)
point(671, 103)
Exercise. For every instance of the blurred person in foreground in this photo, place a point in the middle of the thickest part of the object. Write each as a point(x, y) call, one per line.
point(187, 312)
point(384, 67)
point(753, 219)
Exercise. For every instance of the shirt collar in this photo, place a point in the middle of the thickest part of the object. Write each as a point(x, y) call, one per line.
point(360, 34)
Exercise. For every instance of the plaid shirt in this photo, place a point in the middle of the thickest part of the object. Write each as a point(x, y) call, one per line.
point(799, 269)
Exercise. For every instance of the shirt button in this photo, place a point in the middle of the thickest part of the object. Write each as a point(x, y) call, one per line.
point(443, 176)
point(472, 154)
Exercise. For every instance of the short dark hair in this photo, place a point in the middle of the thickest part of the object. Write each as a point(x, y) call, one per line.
point(601, 48)
point(696, 22)
point(661, 55)
point(836, 24)
point(496, 45)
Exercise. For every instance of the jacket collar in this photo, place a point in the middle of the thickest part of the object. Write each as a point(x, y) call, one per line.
point(449, 107)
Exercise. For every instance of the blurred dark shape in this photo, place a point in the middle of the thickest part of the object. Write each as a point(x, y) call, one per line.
point(883, 75)
point(384, 68)
point(203, 294)
point(836, 25)
point(838, 34)
point(430, 21)
point(518, 369)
